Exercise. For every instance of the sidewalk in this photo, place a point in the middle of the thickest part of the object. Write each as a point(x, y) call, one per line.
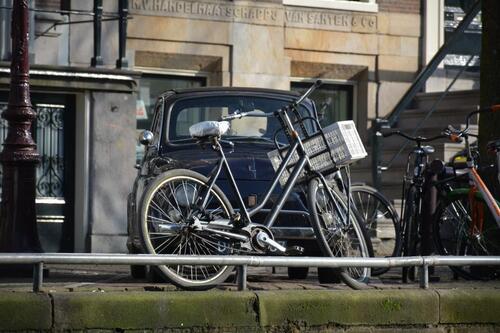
point(106, 299)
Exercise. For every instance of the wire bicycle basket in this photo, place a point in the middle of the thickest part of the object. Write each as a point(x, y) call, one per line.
point(343, 146)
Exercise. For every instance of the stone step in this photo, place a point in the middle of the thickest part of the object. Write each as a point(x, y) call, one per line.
point(411, 119)
point(452, 99)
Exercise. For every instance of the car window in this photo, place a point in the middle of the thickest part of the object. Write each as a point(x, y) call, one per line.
point(155, 129)
point(187, 112)
point(157, 116)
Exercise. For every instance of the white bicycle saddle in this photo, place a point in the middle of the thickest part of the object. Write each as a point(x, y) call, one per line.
point(209, 128)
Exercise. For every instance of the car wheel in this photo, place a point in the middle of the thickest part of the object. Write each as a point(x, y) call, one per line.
point(298, 273)
point(138, 271)
point(328, 275)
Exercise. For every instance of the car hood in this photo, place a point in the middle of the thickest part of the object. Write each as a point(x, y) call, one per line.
point(248, 160)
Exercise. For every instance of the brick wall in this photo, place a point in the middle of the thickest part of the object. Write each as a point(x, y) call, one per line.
point(400, 6)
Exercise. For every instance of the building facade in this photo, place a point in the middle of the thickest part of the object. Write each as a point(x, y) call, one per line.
point(366, 52)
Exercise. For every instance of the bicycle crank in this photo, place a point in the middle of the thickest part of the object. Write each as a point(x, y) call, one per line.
point(265, 241)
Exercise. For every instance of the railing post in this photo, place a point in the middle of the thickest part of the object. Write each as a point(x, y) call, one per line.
point(97, 58)
point(37, 277)
point(122, 34)
point(242, 277)
point(424, 276)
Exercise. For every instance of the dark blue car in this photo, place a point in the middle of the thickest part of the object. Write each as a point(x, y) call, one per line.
point(169, 146)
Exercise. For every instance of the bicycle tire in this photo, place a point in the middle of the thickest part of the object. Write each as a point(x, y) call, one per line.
point(335, 239)
point(410, 232)
point(452, 228)
point(380, 218)
point(165, 208)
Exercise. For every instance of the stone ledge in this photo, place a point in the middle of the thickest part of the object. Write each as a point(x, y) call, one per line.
point(25, 311)
point(261, 311)
point(372, 307)
point(151, 310)
point(480, 306)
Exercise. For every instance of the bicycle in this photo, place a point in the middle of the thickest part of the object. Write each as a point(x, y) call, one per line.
point(381, 220)
point(379, 216)
point(467, 220)
point(184, 212)
point(412, 197)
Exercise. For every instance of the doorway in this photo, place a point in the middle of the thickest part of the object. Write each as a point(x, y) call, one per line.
point(53, 131)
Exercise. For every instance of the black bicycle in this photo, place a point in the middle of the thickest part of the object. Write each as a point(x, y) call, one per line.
point(412, 197)
point(183, 212)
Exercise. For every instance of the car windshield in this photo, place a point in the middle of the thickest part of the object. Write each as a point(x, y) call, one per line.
point(187, 112)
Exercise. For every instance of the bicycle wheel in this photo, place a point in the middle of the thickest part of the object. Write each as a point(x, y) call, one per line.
point(338, 236)
point(169, 217)
point(455, 234)
point(410, 232)
point(381, 221)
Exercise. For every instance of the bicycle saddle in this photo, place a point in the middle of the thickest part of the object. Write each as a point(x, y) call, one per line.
point(209, 128)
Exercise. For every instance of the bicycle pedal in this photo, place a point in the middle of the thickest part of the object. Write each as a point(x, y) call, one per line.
point(294, 250)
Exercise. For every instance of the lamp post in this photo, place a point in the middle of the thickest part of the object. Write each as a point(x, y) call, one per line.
point(18, 229)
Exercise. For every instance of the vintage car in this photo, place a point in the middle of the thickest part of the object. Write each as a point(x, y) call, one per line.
point(246, 146)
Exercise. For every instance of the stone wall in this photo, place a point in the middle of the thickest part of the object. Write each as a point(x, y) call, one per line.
point(111, 169)
point(266, 44)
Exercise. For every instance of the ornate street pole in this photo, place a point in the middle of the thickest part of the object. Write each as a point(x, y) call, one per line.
point(18, 230)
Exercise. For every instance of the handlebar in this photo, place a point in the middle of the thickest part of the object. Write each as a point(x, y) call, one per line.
point(417, 139)
point(294, 104)
point(239, 115)
point(455, 135)
point(309, 91)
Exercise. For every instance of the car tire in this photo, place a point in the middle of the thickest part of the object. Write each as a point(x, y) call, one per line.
point(328, 275)
point(138, 271)
point(298, 273)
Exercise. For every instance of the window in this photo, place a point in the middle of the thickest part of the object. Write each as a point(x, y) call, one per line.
point(150, 87)
point(470, 42)
point(442, 18)
point(334, 102)
point(187, 112)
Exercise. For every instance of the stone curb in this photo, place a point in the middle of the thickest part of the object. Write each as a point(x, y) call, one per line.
point(240, 311)
point(25, 311)
point(349, 307)
point(469, 306)
point(139, 310)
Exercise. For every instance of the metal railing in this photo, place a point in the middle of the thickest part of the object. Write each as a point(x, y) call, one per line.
point(241, 262)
